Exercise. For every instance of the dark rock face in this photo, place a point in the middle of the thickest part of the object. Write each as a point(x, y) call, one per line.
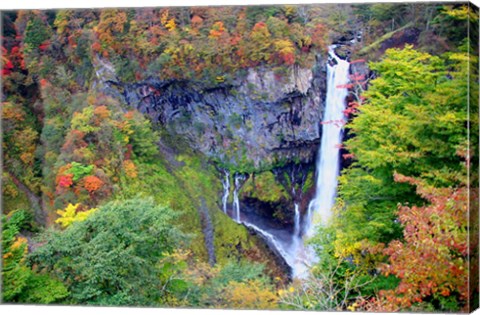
point(258, 119)
point(400, 39)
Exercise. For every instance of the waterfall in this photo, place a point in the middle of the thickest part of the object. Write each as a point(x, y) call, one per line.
point(275, 243)
point(226, 190)
point(290, 247)
point(236, 201)
point(296, 223)
point(328, 160)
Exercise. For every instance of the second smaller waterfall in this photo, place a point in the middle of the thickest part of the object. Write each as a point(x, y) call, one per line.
point(236, 202)
point(226, 190)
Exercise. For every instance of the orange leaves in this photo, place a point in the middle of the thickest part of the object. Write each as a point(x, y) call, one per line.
point(217, 30)
point(92, 183)
point(96, 46)
point(102, 112)
point(260, 27)
point(319, 34)
point(196, 21)
point(129, 115)
point(130, 168)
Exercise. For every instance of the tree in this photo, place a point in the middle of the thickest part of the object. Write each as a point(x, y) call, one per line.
point(111, 257)
point(432, 261)
point(411, 122)
point(19, 282)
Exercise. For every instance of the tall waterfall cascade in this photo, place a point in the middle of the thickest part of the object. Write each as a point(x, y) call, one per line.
point(327, 164)
point(328, 160)
point(289, 245)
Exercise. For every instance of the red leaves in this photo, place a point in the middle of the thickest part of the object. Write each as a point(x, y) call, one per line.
point(65, 181)
point(8, 65)
point(352, 108)
point(432, 261)
point(44, 46)
point(96, 47)
point(43, 82)
point(288, 58)
point(259, 26)
point(357, 61)
point(345, 86)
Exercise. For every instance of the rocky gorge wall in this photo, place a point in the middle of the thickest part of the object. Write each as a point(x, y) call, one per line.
point(254, 122)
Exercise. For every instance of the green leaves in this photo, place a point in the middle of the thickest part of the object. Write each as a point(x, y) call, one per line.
point(79, 171)
point(412, 123)
point(111, 257)
point(20, 283)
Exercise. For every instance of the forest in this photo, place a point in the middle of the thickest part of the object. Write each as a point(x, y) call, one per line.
point(186, 157)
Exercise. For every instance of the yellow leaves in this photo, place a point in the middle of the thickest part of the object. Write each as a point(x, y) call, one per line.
point(130, 168)
point(284, 46)
point(250, 295)
point(7, 255)
point(19, 242)
point(462, 13)
point(70, 215)
point(13, 112)
point(352, 307)
point(169, 24)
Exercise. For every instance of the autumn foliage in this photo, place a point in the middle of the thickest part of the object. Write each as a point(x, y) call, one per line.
point(92, 183)
point(432, 260)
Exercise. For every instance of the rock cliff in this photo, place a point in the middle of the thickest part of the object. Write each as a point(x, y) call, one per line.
point(259, 119)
